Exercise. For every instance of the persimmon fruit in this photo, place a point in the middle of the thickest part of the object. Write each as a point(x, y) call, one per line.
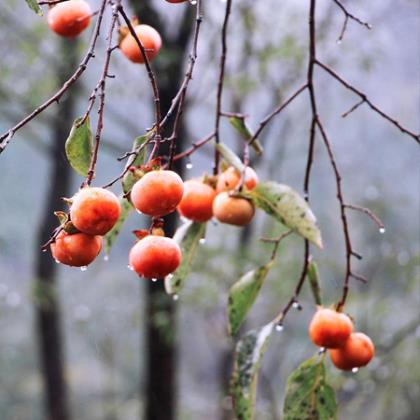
point(76, 250)
point(329, 328)
point(197, 201)
point(230, 178)
point(150, 39)
point(157, 193)
point(233, 210)
point(176, 1)
point(69, 18)
point(356, 352)
point(94, 210)
point(155, 257)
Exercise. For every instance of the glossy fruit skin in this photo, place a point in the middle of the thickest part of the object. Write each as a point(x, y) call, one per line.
point(157, 193)
point(329, 328)
point(69, 18)
point(95, 210)
point(155, 257)
point(356, 352)
point(229, 179)
point(150, 40)
point(197, 201)
point(76, 250)
point(233, 210)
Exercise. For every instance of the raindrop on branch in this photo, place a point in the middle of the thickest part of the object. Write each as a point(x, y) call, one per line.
point(202, 241)
point(382, 230)
point(84, 268)
point(279, 327)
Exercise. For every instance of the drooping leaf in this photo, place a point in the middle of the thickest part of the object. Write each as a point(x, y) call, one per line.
point(242, 296)
point(188, 238)
point(112, 235)
point(33, 4)
point(239, 124)
point(313, 276)
point(308, 395)
point(130, 178)
point(79, 146)
point(248, 354)
point(287, 206)
point(230, 156)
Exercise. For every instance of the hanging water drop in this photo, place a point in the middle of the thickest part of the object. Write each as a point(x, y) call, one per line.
point(382, 230)
point(355, 370)
point(321, 350)
point(138, 211)
point(279, 327)
point(84, 268)
point(106, 258)
point(189, 165)
point(202, 241)
point(193, 2)
point(154, 279)
point(297, 305)
point(339, 41)
point(44, 250)
point(175, 297)
point(57, 262)
point(130, 268)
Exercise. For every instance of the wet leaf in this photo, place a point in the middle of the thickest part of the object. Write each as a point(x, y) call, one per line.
point(287, 206)
point(242, 296)
point(33, 4)
point(230, 156)
point(308, 395)
point(112, 235)
point(248, 354)
point(187, 237)
point(313, 276)
point(240, 125)
point(79, 146)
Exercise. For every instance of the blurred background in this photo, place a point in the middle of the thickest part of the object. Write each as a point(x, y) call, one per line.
point(111, 346)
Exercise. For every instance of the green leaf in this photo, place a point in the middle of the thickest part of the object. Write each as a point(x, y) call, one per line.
point(242, 296)
point(239, 124)
point(308, 395)
point(230, 156)
point(33, 4)
point(112, 235)
point(248, 354)
point(313, 276)
point(187, 237)
point(129, 178)
point(79, 146)
point(287, 206)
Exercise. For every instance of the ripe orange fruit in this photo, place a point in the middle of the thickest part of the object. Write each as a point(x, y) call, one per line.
point(197, 201)
point(229, 179)
point(69, 18)
point(155, 256)
point(94, 210)
point(76, 250)
point(150, 39)
point(356, 352)
point(233, 210)
point(329, 328)
point(157, 193)
point(176, 1)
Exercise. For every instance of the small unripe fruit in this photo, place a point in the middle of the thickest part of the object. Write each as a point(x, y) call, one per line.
point(197, 201)
point(233, 210)
point(356, 352)
point(150, 39)
point(76, 250)
point(69, 18)
point(329, 328)
point(155, 257)
point(95, 210)
point(157, 193)
point(229, 179)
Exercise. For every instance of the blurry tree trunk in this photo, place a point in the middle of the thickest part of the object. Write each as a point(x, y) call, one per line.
point(49, 333)
point(161, 352)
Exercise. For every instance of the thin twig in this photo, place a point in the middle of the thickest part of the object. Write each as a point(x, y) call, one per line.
point(369, 213)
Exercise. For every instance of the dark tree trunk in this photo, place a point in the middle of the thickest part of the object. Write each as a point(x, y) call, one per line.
point(161, 352)
point(48, 326)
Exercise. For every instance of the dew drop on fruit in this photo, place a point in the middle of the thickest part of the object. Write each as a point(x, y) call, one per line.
point(193, 2)
point(154, 279)
point(130, 268)
point(321, 350)
point(202, 241)
point(382, 230)
point(44, 250)
point(355, 370)
point(175, 297)
point(84, 268)
point(106, 258)
point(279, 327)
point(169, 276)
point(57, 262)
point(189, 165)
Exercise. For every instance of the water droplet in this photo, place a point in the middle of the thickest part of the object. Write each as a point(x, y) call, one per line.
point(57, 262)
point(202, 241)
point(355, 370)
point(297, 306)
point(44, 250)
point(189, 165)
point(339, 41)
point(175, 297)
point(106, 258)
point(321, 350)
point(130, 268)
point(154, 279)
point(138, 211)
point(84, 268)
point(279, 327)
point(169, 276)
point(382, 230)
point(193, 2)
